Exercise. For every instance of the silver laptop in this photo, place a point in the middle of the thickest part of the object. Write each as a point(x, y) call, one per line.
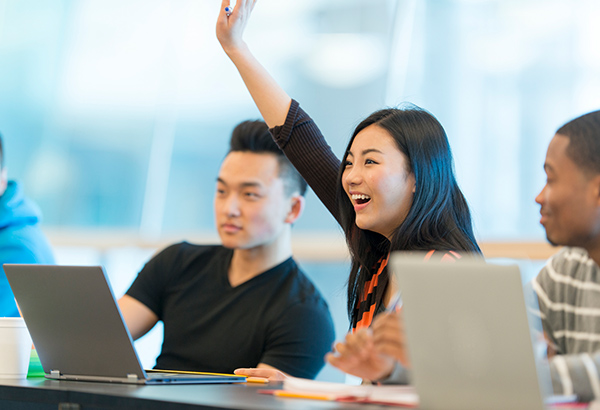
point(78, 330)
point(473, 341)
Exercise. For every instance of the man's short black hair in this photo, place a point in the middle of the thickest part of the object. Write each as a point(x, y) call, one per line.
point(254, 136)
point(584, 141)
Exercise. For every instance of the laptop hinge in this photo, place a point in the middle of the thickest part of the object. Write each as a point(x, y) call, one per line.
point(132, 377)
point(55, 374)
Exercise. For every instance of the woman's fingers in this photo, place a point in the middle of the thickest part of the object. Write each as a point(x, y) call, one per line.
point(231, 23)
point(389, 338)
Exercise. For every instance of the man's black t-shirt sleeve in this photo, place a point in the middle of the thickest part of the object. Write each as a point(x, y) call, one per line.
point(299, 339)
point(148, 287)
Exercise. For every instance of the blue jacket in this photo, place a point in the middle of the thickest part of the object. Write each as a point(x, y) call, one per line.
point(21, 240)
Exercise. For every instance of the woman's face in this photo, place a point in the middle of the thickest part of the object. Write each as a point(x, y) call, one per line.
point(377, 181)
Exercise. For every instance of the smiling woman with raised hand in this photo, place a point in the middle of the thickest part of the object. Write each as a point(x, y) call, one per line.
point(393, 190)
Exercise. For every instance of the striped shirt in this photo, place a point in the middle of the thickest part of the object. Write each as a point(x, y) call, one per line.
point(367, 305)
point(568, 290)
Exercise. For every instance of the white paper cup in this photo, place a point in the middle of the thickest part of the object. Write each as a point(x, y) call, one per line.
point(15, 348)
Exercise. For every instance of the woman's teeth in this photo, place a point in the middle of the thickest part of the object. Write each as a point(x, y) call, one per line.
point(360, 198)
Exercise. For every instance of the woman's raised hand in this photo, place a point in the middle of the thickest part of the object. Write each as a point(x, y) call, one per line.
point(272, 101)
point(231, 25)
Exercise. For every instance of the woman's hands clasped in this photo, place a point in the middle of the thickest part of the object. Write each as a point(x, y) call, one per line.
point(371, 353)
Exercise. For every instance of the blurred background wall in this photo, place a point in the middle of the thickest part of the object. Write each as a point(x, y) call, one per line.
point(116, 114)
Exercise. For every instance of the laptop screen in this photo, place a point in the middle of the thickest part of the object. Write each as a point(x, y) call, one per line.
point(77, 327)
point(470, 337)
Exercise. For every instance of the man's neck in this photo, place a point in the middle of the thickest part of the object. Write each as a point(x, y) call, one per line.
point(248, 263)
point(594, 254)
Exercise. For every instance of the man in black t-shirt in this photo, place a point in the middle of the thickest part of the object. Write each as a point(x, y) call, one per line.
point(244, 303)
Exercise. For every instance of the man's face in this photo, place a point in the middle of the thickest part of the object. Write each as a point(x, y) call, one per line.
point(570, 200)
point(251, 208)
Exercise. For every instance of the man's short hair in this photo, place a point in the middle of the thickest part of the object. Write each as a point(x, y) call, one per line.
point(254, 136)
point(584, 141)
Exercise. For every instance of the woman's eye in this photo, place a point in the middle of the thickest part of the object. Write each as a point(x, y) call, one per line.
point(370, 161)
point(347, 163)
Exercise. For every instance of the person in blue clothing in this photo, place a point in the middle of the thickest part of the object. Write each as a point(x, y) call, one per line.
point(21, 239)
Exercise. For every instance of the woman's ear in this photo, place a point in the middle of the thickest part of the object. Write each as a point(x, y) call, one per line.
point(296, 207)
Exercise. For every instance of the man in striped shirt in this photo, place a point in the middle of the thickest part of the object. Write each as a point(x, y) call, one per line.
point(568, 287)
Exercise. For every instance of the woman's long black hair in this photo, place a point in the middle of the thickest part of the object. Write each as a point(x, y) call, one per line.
point(439, 217)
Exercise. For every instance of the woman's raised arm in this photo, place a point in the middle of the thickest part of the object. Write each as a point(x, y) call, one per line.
point(300, 139)
point(271, 100)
